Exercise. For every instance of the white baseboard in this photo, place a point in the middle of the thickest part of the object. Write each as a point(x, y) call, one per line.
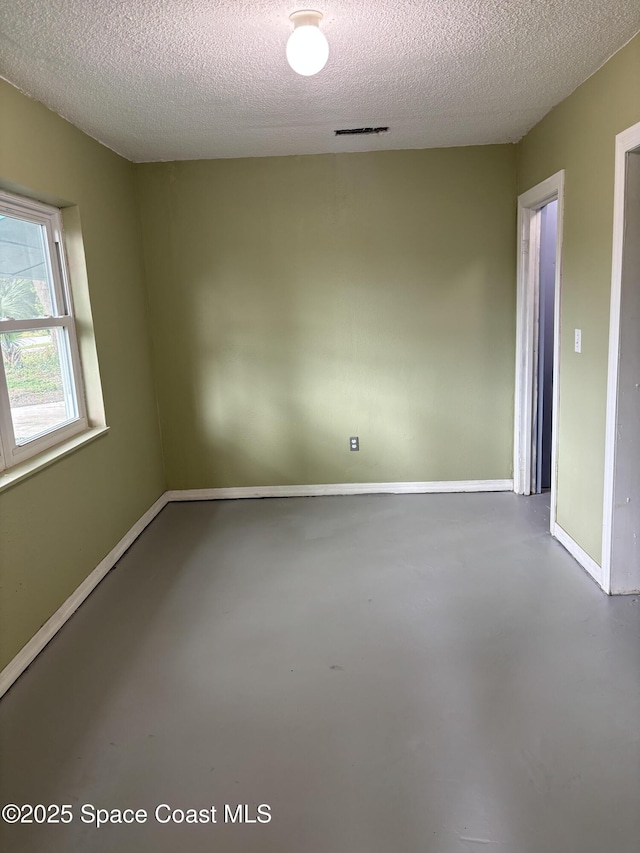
point(580, 555)
point(51, 627)
point(434, 487)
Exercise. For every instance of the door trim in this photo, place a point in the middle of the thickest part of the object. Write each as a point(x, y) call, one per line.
point(626, 142)
point(529, 205)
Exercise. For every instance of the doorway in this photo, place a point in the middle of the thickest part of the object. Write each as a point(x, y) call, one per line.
point(546, 324)
point(538, 339)
point(621, 521)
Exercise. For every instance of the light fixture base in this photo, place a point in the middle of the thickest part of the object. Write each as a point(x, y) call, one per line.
point(305, 18)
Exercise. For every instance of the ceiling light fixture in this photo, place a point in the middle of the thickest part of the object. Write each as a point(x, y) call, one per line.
point(307, 47)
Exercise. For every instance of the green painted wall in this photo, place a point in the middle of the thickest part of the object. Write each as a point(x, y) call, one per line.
point(56, 526)
point(579, 136)
point(296, 301)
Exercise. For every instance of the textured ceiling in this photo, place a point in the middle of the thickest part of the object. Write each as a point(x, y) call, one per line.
point(184, 79)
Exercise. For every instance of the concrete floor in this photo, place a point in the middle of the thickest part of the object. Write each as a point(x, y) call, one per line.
point(421, 674)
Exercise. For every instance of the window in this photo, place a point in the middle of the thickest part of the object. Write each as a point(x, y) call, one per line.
point(41, 396)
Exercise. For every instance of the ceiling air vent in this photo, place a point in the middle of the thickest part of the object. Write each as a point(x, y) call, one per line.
point(360, 131)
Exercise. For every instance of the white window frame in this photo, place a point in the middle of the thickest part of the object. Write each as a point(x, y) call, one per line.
point(12, 453)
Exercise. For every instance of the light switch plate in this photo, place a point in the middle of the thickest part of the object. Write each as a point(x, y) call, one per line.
point(578, 340)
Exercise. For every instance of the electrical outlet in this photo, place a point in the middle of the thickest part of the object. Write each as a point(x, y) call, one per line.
point(578, 341)
point(354, 443)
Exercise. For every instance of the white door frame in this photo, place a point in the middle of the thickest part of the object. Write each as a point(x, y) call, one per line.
point(527, 318)
point(626, 142)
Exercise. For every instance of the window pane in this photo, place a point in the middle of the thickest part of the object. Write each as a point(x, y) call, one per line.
point(25, 281)
point(38, 371)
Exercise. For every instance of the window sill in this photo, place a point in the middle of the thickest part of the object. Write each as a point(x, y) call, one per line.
point(23, 470)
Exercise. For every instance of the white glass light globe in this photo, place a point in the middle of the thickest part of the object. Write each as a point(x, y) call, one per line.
point(307, 50)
